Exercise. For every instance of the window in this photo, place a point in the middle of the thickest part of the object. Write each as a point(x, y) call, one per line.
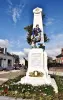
point(9, 62)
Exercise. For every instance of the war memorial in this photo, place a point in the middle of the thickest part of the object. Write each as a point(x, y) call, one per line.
point(37, 72)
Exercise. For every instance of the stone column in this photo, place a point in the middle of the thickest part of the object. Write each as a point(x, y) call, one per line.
point(38, 20)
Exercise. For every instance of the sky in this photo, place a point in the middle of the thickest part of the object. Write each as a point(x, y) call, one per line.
point(16, 14)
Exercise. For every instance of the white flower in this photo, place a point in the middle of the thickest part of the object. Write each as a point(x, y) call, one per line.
point(44, 94)
point(45, 88)
point(5, 85)
point(8, 87)
point(23, 89)
point(18, 87)
point(15, 92)
point(28, 89)
point(2, 85)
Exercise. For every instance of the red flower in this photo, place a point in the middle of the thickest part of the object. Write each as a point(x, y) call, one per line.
point(6, 90)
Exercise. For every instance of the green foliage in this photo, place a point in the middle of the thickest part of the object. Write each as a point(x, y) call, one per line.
point(59, 80)
point(29, 30)
point(28, 91)
point(41, 46)
point(46, 39)
point(44, 92)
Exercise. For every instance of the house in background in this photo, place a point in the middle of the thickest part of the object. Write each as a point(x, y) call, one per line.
point(59, 58)
point(6, 59)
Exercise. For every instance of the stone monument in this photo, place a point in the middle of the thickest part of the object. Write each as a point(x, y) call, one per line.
point(38, 20)
point(37, 72)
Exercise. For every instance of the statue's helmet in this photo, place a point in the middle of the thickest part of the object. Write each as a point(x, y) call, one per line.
point(37, 25)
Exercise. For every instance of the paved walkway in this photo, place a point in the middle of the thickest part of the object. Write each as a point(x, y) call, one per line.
point(56, 71)
point(9, 98)
point(4, 76)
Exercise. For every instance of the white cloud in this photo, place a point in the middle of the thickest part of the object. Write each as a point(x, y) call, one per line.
point(21, 56)
point(26, 50)
point(49, 21)
point(53, 52)
point(16, 14)
point(4, 43)
point(20, 53)
point(15, 11)
point(53, 48)
point(9, 1)
point(18, 43)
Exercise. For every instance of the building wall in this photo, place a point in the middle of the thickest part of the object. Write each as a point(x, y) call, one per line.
point(59, 60)
point(4, 62)
point(22, 61)
point(62, 60)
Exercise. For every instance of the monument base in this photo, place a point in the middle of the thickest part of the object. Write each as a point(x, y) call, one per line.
point(37, 72)
point(38, 81)
point(35, 81)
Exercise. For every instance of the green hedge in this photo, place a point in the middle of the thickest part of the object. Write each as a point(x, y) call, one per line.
point(44, 92)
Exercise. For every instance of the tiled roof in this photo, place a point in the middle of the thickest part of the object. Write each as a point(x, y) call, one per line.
point(59, 56)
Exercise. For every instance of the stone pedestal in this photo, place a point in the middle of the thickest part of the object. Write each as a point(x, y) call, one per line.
point(37, 72)
point(36, 61)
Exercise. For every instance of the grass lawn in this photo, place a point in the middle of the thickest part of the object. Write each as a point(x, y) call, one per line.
point(32, 92)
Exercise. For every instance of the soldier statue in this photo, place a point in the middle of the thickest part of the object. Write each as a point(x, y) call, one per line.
point(36, 36)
